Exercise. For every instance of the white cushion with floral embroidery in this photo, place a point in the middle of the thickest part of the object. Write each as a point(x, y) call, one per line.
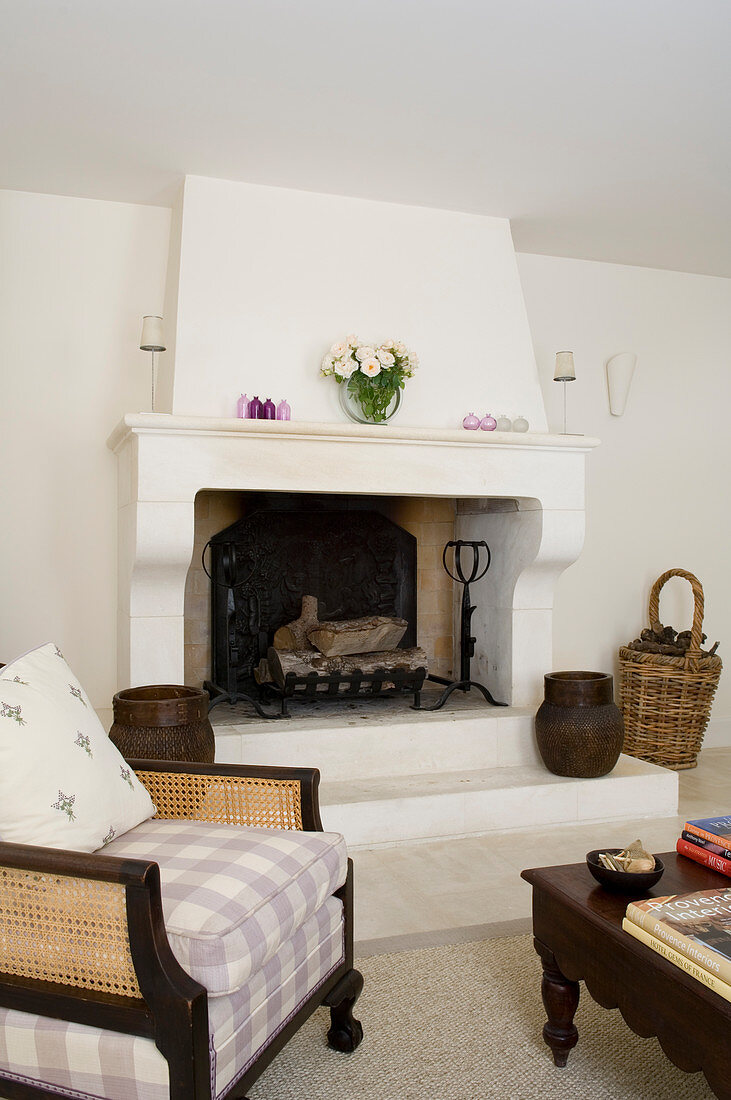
point(63, 784)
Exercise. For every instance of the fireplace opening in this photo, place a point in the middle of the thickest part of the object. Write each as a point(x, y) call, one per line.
point(358, 555)
point(351, 562)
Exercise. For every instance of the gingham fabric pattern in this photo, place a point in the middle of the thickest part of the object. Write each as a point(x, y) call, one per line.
point(261, 1008)
point(232, 895)
point(86, 1062)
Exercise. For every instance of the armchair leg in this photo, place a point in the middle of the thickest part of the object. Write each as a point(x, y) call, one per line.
point(346, 1032)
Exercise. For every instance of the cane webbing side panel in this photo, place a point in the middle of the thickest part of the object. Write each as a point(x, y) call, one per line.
point(226, 799)
point(58, 928)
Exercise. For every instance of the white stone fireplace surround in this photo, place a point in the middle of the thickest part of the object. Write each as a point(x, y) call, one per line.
point(403, 775)
point(523, 494)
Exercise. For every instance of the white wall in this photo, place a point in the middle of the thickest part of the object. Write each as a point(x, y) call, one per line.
point(656, 488)
point(76, 276)
point(270, 278)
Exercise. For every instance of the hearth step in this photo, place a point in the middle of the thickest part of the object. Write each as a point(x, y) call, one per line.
point(387, 810)
point(361, 740)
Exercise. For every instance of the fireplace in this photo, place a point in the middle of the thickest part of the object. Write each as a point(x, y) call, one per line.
point(428, 523)
point(523, 495)
point(354, 560)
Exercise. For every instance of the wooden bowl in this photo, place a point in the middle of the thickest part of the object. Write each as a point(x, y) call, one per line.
point(623, 882)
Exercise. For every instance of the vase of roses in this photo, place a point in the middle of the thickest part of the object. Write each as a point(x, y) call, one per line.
point(370, 378)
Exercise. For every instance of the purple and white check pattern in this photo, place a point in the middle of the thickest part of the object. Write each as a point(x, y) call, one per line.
point(233, 895)
point(79, 1061)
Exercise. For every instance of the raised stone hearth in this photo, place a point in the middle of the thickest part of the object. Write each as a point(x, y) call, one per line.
point(404, 775)
point(392, 775)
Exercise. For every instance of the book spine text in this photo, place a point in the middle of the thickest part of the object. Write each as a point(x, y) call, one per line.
point(695, 971)
point(703, 843)
point(702, 855)
point(689, 827)
point(712, 961)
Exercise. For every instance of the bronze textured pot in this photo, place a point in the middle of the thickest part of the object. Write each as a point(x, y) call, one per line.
point(579, 728)
point(163, 722)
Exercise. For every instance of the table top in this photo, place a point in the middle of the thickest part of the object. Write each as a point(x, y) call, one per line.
point(574, 886)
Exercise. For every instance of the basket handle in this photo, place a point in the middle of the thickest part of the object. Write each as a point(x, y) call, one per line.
point(696, 632)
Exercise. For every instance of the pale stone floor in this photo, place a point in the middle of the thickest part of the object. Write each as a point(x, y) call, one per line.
point(429, 892)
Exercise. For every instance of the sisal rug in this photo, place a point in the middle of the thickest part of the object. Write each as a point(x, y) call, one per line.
point(463, 1022)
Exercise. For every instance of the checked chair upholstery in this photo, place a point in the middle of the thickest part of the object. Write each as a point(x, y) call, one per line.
point(178, 961)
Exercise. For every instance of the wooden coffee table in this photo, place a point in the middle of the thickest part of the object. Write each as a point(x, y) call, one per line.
point(577, 927)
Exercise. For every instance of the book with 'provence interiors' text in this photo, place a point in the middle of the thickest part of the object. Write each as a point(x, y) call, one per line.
point(697, 926)
point(698, 972)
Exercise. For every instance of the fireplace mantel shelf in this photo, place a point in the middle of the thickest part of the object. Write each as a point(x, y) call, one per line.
point(167, 424)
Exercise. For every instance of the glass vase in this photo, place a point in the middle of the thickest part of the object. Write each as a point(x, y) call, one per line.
point(352, 408)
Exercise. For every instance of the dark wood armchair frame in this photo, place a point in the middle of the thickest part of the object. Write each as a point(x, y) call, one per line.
point(173, 1008)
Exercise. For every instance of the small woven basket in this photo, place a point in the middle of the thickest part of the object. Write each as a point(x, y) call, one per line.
point(666, 701)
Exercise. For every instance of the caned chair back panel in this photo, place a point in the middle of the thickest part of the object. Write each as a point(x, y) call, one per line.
point(226, 800)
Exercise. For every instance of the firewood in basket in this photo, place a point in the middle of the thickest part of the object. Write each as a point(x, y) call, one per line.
point(664, 640)
point(369, 635)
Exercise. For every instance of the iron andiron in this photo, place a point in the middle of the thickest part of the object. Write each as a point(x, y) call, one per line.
point(465, 577)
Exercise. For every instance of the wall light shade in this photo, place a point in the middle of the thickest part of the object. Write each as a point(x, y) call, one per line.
point(152, 337)
point(565, 370)
point(620, 370)
point(152, 340)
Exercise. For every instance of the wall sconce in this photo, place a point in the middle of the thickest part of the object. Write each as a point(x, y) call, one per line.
point(620, 369)
point(152, 340)
point(564, 372)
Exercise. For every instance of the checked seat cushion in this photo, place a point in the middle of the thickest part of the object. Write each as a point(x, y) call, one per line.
point(233, 895)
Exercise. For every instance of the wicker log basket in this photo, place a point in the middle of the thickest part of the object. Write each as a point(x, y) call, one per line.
point(666, 701)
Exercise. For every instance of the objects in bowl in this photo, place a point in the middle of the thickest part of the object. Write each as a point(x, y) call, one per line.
point(623, 882)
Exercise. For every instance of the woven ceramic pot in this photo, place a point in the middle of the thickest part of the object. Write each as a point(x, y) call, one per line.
point(579, 728)
point(163, 722)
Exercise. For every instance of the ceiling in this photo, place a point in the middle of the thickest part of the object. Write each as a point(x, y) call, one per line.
point(601, 128)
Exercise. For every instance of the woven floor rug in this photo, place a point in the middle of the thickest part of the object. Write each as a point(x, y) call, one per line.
point(463, 1022)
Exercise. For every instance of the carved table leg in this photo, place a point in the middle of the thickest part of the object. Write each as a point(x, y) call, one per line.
point(560, 998)
point(345, 1033)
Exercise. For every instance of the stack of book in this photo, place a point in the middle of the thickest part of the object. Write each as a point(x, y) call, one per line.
point(708, 841)
point(692, 931)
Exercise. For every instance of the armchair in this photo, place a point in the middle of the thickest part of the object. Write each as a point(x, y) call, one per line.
point(180, 974)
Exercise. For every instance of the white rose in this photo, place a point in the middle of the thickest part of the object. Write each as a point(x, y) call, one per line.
point(388, 344)
point(385, 358)
point(352, 341)
point(339, 350)
point(346, 367)
point(401, 349)
point(365, 353)
point(327, 365)
point(370, 367)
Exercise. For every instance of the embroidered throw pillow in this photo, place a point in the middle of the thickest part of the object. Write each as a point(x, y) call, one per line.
point(63, 784)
